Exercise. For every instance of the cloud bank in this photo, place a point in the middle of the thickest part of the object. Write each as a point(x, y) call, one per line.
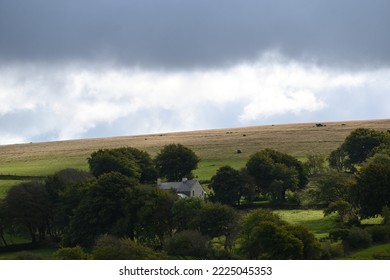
point(179, 34)
point(53, 103)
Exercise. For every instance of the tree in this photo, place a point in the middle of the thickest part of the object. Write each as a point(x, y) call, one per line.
point(338, 160)
point(227, 186)
point(315, 164)
point(145, 163)
point(114, 160)
point(264, 235)
point(28, 205)
point(291, 162)
point(269, 241)
point(175, 162)
point(248, 189)
point(372, 190)
point(184, 212)
point(188, 243)
point(335, 186)
point(101, 207)
point(155, 216)
point(346, 211)
point(361, 142)
point(216, 220)
point(311, 246)
point(275, 173)
point(64, 189)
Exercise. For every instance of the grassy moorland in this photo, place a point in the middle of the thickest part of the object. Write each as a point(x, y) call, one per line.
point(214, 147)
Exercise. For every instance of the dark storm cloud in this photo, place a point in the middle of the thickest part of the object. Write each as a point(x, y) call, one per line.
point(201, 33)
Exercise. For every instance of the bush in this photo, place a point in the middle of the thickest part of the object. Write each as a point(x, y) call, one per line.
point(74, 253)
point(188, 243)
point(357, 238)
point(112, 248)
point(331, 250)
point(338, 234)
point(379, 233)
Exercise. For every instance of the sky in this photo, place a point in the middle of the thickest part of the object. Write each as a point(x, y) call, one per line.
point(100, 68)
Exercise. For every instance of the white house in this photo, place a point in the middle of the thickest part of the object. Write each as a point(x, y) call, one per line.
point(185, 188)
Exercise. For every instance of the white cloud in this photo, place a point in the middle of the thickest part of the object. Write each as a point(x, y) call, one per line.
point(72, 101)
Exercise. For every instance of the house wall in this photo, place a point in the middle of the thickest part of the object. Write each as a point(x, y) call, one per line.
point(197, 191)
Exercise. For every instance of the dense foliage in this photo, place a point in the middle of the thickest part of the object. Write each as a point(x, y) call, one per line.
point(175, 162)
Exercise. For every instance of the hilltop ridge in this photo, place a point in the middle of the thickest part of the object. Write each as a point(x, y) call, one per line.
point(297, 139)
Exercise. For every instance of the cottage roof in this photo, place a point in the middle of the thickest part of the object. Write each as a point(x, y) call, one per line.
point(184, 186)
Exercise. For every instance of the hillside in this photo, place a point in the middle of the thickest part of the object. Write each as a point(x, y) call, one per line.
point(219, 145)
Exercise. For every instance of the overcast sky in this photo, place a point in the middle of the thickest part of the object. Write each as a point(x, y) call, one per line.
point(97, 68)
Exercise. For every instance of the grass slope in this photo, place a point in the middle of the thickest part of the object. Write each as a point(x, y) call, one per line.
point(212, 146)
point(377, 252)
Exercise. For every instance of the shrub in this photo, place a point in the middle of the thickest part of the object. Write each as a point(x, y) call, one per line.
point(379, 233)
point(338, 234)
point(74, 253)
point(357, 238)
point(108, 247)
point(331, 250)
point(188, 243)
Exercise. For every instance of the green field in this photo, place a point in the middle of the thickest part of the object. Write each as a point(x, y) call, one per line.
point(376, 252)
point(314, 220)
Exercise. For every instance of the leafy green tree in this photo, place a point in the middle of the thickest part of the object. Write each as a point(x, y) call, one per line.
point(335, 186)
point(315, 164)
point(28, 205)
point(65, 190)
point(184, 212)
point(291, 162)
point(114, 160)
point(176, 161)
point(215, 220)
point(338, 160)
point(275, 173)
point(269, 241)
point(248, 190)
point(101, 208)
point(155, 216)
point(347, 212)
point(311, 246)
point(145, 163)
point(263, 235)
point(285, 178)
point(227, 186)
point(255, 217)
point(361, 142)
point(372, 191)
